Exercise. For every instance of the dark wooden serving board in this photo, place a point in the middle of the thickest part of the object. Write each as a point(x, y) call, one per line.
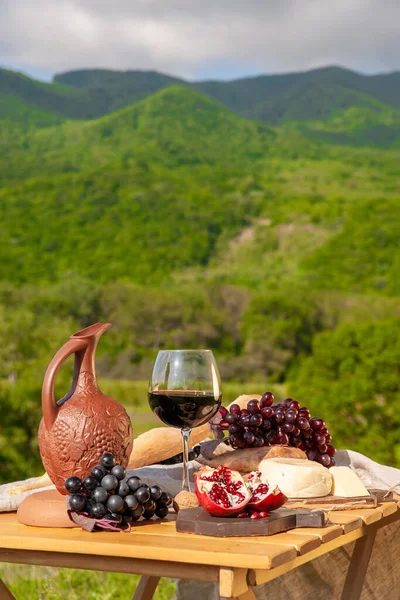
point(197, 520)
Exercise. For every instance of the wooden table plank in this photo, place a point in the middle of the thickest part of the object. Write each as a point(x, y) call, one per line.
point(387, 508)
point(325, 534)
point(367, 515)
point(347, 521)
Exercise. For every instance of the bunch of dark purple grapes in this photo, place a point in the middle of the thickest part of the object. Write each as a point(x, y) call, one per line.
point(107, 495)
point(287, 424)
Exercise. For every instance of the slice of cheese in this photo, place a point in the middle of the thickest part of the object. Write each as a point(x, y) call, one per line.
point(346, 483)
point(297, 478)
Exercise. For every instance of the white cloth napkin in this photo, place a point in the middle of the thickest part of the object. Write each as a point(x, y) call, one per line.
point(169, 477)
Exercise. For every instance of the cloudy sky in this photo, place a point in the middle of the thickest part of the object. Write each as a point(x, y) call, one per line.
point(199, 39)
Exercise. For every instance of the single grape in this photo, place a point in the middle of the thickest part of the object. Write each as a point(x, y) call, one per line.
point(223, 425)
point(304, 412)
point(294, 404)
point(115, 503)
point(142, 494)
point(149, 505)
point(279, 417)
point(308, 443)
point(107, 461)
point(283, 438)
point(267, 412)
point(322, 448)
point(248, 437)
point(258, 441)
point(137, 512)
point(271, 437)
point(222, 411)
point(296, 440)
point(325, 460)
point(155, 492)
point(90, 483)
point(123, 489)
point(288, 427)
point(134, 483)
point(231, 418)
point(235, 428)
point(109, 482)
point(267, 424)
point(319, 438)
point(100, 495)
point(296, 431)
point(235, 408)
point(77, 502)
point(287, 402)
point(267, 399)
point(98, 510)
point(98, 472)
point(161, 511)
point(253, 407)
point(307, 433)
point(119, 472)
point(291, 415)
point(256, 420)
point(324, 430)
point(302, 424)
point(131, 501)
point(246, 420)
point(316, 423)
point(331, 450)
point(149, 513)
point(328, 438)
point(244, 412)
point(73, 485)
point(166, 499)
point(236, 440)
point(312, 454)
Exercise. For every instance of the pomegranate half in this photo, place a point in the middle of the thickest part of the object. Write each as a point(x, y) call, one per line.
point(263, 498)
point(221, 491)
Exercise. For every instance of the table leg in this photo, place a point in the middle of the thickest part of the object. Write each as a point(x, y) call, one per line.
point(358, 567)
point(5, 593)
point(146, 588)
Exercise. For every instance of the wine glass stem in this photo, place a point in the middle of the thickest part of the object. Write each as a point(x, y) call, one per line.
point(185, 474)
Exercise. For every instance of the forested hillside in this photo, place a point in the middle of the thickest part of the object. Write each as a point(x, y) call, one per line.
point(187, 225)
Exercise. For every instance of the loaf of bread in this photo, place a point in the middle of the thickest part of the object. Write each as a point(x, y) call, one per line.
point(248, 459)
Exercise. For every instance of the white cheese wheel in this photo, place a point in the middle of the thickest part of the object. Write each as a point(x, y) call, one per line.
point(346, 483)
point(297, 478)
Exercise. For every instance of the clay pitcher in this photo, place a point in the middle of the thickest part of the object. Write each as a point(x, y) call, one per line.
point(75, 431)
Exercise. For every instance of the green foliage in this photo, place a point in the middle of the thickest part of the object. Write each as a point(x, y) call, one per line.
point(352, 380)
point(44, 583)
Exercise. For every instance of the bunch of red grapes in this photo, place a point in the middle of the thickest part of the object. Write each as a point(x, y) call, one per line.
point(287, 424)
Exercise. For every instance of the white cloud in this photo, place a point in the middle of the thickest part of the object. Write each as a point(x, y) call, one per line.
point(182, 36)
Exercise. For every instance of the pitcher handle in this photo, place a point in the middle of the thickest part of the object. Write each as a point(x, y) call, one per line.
point(49, 405)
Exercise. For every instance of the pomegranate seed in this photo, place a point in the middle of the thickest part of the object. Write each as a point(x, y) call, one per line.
point(255, 515)
point(263, 514)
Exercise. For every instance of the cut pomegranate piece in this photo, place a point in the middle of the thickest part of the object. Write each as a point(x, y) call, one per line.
point(222, 492)
point(262, 497)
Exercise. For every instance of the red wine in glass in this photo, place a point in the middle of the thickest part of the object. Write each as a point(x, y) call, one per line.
point(184, 408)
point(185, 392)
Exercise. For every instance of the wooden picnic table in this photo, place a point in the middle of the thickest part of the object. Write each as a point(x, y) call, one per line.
point(156, 550)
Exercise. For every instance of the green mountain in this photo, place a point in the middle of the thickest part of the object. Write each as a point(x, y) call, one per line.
point(311, 95)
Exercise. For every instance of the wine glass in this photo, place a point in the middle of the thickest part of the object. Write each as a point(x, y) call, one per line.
point(185, 392)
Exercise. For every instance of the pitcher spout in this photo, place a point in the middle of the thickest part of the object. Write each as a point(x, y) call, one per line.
point(97, 329)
